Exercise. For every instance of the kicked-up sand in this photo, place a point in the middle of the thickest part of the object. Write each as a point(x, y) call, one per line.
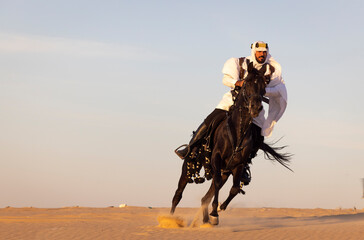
point(155, 223)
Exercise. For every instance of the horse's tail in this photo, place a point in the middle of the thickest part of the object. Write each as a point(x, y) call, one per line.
point(272, 154)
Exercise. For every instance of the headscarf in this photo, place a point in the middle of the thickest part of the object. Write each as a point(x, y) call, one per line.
point(259, 46)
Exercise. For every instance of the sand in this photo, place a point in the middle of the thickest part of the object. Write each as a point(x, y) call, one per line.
point(155, 223)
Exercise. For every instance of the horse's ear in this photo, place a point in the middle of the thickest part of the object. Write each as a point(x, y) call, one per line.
point(250, 67)
point(263, 69)
point(252, 70)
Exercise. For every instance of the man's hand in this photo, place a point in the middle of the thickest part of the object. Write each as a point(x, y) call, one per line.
point(239, 83)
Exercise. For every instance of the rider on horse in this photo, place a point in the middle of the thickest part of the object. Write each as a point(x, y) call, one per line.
point(235, 71)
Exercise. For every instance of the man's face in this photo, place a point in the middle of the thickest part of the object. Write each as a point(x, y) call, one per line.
point(260, 56)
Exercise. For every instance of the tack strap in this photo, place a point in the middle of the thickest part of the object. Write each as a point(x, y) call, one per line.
point(241, 69)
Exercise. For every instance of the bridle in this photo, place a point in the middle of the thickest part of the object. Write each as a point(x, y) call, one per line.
point(247, 99)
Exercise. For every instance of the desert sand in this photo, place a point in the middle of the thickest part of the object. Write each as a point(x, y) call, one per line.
point(155, 223)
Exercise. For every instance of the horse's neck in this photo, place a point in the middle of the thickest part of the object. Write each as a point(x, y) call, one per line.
point(239, 121)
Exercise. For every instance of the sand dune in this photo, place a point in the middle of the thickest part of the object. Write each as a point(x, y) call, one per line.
point(142, 223)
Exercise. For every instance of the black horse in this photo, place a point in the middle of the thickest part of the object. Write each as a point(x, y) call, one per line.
point(233, 143)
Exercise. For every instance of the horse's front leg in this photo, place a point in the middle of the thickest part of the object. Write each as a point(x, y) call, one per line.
point(217, 180)
point(205, 201)
point(183, 180)
point(235, 189)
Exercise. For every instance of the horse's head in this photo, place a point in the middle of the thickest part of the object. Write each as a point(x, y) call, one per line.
point(252, 91)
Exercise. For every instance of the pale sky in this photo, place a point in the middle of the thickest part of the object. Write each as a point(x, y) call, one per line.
point(96, 95)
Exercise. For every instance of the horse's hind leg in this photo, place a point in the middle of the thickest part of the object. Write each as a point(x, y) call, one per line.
point(183, 180)
point(235, 189)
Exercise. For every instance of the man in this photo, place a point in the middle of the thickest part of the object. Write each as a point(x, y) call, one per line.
point(234, 76)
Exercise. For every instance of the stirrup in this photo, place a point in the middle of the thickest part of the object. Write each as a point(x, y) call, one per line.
point(183, 145)
point(177, 149)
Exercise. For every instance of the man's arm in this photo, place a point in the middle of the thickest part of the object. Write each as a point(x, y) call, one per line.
point(231, 72)
point(272, 91)
point(229, 81)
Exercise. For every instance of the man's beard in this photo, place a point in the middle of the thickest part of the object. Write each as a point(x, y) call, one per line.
point(262, 59)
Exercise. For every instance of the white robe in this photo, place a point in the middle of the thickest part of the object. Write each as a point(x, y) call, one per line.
point(275, 91)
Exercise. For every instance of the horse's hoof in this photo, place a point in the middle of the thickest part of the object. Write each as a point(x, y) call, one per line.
point(214, 220)
point(221, 207)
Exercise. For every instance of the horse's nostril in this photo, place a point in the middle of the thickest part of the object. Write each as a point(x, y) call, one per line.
point(260, 108)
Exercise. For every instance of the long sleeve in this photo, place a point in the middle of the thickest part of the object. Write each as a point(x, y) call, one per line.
point(231, 72)
point(277, 93)
point(227, 80)
point(273, 91)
